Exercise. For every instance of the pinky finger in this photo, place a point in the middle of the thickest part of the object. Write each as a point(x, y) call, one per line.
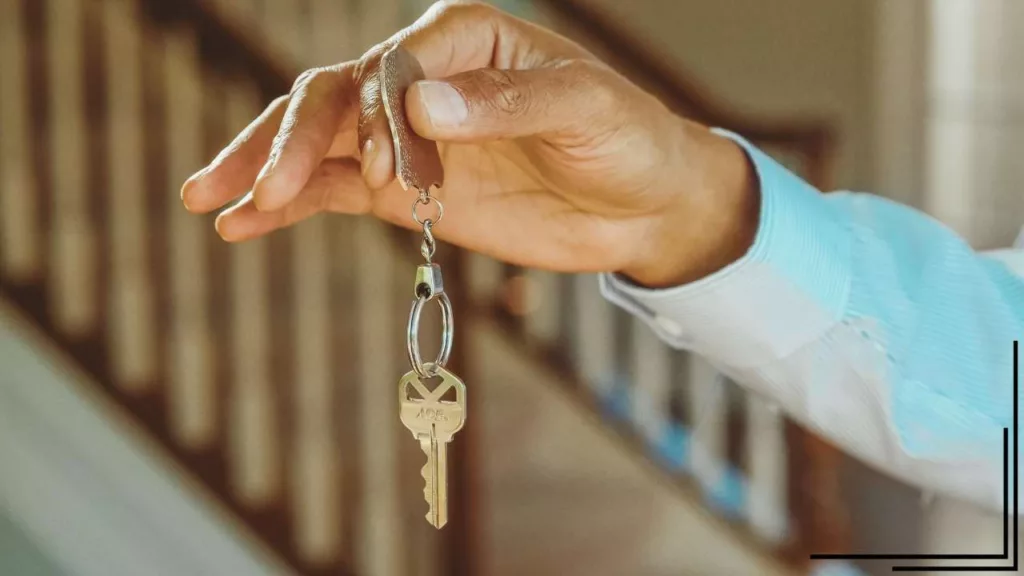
point(335, 186)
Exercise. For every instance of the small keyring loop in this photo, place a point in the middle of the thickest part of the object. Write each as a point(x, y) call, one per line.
point(429, 369)
point(429, 245)
point(425, 202)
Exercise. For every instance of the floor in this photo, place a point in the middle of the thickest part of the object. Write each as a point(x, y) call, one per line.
point(563, 498)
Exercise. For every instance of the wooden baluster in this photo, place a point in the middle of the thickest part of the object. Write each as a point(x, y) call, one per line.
point(254, 430)
point(543, 292)
point(708, 414)
point(131, 308)
point(346, 349)
point(315, 463)
point(731, 492)
point(333, 33)
point(20, 257)
point(652, 376)
point(595, 335)
point(675, 447)
point(485, 279)
point(73, 261)
point(382, 546)
point(766, 460)
point(231, 9)
point(192, 394)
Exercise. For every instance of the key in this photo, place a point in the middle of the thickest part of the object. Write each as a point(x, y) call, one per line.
point(433, 422)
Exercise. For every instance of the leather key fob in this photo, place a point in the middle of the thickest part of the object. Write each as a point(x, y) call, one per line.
point(417, 162)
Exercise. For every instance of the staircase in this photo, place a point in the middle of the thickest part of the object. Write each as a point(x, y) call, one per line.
point(266, 369)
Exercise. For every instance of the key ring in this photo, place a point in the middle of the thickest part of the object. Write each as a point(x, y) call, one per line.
point(429, 286)
point(426, 199)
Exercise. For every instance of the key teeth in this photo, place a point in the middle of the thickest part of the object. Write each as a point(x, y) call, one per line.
point(440, 523)
point(425, 472)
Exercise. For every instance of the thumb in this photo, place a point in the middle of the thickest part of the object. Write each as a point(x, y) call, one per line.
point(488, 104)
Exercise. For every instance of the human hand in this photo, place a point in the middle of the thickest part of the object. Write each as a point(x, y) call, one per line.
point(551, 158)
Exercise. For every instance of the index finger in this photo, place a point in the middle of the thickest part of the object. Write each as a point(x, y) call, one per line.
point(317, 110)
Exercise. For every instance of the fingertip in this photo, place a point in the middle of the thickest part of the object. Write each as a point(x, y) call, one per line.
point(191, 193)
point(186, 195)
point(227, 223)
point(271, 192)
point(223, 226)
point(435, 108)
point(417, 113)
point(377, 163)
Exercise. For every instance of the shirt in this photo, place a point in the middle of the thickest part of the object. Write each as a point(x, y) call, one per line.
point(867, 321)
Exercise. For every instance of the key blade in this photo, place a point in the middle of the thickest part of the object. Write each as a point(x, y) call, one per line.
point(435, 480)
point(441, 482)
point(417, 161)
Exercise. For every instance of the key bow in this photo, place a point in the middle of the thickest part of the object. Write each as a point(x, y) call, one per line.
point(429, 412)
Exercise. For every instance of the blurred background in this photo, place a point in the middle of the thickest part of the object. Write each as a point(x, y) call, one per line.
point(170, 404)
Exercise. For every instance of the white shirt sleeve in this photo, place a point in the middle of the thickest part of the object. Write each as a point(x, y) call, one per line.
point(867, 321)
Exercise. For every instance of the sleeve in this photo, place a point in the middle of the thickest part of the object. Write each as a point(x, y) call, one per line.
point(867, 321)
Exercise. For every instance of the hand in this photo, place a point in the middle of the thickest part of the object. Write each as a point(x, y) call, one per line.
point(552, 159)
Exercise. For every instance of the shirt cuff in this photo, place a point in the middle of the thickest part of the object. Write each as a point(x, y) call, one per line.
point(785, 292)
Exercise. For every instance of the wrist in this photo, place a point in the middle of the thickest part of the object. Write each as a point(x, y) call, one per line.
point(712, 220)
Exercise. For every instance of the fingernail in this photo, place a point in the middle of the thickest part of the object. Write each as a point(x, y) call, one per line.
point(262, 196)
point(265, 171)
point(369, 155)
point(186, 188)
point(220, 225)
point(186, 192)
point(443, 103)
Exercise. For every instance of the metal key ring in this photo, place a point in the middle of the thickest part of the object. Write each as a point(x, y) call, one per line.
point(426, 200)
point(429, 369)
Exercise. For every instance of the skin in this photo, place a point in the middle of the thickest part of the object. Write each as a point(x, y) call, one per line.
point(552, 160)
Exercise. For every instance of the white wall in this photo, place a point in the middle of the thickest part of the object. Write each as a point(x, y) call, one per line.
point(777, 58)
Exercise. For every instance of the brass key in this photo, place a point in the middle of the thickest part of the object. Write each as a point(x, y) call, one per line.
point(433, 422)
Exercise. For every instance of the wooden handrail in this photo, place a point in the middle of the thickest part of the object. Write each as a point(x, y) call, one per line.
point(642, 61)
point(232, 46)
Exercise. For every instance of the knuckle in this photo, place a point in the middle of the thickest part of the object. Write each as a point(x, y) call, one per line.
point(502, 93)
point(315, 79)
point(449, 10)
point(302, 80)
point(596, 81)
point(366, 66)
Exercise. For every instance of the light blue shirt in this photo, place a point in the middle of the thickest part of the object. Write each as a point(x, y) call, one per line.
point(867, 321)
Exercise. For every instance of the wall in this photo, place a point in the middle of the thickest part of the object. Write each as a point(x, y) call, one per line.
point(780, 58)
point(20, 556)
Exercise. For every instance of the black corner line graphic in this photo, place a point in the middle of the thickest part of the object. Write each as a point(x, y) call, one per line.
point(1006, 514)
